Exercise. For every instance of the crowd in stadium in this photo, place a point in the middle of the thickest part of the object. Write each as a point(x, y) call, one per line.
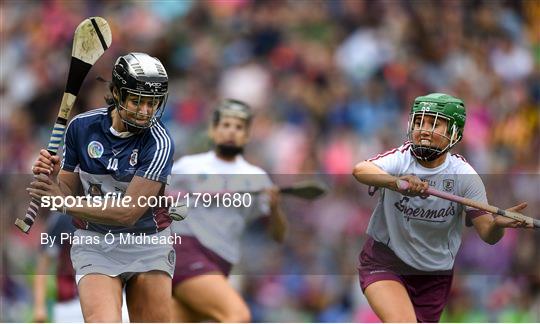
point(331, 83)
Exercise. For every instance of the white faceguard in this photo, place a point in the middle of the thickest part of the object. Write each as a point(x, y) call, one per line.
point(424, 150)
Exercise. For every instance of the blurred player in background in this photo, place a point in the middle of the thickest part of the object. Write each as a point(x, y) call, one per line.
point(67, 307)
point(406, 265)
point(211, 235)
point(123, 149)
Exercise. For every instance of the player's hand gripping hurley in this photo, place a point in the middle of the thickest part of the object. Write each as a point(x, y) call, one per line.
point(92, 38)
point(531, 222)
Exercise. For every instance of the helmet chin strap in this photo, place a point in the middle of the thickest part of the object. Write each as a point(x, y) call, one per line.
point(426, 153)
point(132, 129)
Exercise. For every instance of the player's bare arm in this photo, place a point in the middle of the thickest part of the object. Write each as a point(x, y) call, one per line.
point(370, 174)
point(69, 183)
point(112, 215)
point(491, 228)
point(138, 187)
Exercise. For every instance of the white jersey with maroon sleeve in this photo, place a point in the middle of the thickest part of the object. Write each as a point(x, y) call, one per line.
point(425, 233)
point(219, 228)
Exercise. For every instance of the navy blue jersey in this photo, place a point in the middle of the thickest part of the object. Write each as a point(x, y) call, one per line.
point(107, 161)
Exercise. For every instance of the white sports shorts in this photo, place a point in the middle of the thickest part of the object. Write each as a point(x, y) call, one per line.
point(121, 255)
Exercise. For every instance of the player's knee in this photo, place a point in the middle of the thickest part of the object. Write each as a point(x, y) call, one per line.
point(237, 314)
point(100, 313)
point(98, 317)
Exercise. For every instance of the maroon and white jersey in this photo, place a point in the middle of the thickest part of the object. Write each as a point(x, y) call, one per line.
point(425, 233)
point(219, 228)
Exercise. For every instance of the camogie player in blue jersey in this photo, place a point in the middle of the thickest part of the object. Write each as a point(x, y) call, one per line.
point(122, 150)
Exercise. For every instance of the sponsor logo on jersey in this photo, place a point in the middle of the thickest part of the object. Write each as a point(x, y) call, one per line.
point(133, 157)
point(95, 149)
point(448, 185)
point(431, 215)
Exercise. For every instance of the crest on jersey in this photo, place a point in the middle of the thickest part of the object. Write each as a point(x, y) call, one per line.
point(448, 185)
point(133, 157)
point(171, 257)
point(95, 149)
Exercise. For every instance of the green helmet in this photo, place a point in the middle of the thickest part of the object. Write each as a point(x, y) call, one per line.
point(443, 106)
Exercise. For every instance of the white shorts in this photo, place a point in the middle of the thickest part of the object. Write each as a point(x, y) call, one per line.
point(120, 255)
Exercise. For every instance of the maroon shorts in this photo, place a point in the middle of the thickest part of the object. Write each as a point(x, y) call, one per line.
point(193, 259)
point(428, 290)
